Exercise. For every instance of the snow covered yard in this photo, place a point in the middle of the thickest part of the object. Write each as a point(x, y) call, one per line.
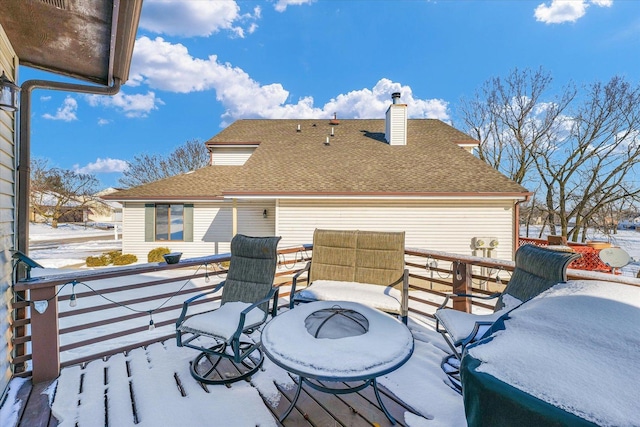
point(69, 245)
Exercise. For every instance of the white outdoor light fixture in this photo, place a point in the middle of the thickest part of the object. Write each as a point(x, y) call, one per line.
point(9, 91)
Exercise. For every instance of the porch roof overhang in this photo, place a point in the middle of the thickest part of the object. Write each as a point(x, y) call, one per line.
point(88, 40)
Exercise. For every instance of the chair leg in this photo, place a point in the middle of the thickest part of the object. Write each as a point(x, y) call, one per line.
point(451, 367)
point(217, 367)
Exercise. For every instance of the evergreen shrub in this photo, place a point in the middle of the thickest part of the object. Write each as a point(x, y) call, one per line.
point(125, 259)
point(155, 255)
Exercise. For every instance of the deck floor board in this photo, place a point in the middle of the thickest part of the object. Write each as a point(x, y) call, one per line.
point(98, 384)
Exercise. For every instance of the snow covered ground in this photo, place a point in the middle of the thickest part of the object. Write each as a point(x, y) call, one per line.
point(60, 247)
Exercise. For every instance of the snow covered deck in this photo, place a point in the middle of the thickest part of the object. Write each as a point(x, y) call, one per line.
point(152, 386)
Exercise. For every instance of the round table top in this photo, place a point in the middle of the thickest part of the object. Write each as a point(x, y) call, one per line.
point(383, 348)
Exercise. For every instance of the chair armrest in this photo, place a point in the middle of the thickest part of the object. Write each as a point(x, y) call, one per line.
point(185, 305)
point(243, 313)
point(449, 296)
point(295, 282)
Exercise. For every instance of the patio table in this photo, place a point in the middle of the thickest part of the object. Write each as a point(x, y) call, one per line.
point(298, 342)
point(566, 357)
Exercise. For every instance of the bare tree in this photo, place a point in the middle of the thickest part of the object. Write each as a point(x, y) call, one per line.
point(147, 168)
point(580, 149)
point(58, 192)
point(510, 119)
point(590, 168)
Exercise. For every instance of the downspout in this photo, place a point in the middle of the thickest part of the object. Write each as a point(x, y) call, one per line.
point(516, 224)
point(24, 148)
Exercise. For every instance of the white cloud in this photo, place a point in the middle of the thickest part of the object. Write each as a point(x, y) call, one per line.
point(102, 122)
point(281, 5)
point(195, 18)
point(365, 103)
point(138, 105)
point(170, 67)
point(45, 98)
point(107, 165)
point(67, 112)
point(560, 11)
point(602, 3)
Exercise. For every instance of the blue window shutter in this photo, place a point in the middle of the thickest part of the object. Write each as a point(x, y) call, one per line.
point(149, 222)
point(188, 222)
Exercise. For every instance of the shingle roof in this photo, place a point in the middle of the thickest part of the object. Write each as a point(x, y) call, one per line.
point(356, 162)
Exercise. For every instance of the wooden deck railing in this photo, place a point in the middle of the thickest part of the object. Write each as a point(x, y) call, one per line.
point(109, 318)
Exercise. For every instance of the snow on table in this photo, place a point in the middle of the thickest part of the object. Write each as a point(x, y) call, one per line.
point(386, 345)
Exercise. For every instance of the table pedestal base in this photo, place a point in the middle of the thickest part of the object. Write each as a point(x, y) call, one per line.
point(323, 389)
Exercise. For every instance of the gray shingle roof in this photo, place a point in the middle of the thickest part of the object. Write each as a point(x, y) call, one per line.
point(357, 162)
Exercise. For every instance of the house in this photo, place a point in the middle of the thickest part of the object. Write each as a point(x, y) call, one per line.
point(91, 41)
point(288, 177)
point(43, 205)
point(104, 211)
point(91, 208)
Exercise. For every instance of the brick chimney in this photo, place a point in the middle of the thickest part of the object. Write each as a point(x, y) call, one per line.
point(396, 121)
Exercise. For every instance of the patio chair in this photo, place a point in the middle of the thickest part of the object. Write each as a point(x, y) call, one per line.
point(359, 266)
point(536, 270)
point(244, 308)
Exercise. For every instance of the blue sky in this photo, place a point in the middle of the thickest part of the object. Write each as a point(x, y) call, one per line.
point(200, 65)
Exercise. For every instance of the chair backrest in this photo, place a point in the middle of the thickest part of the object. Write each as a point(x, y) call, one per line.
point(375, 257)
point(251, 270)
point(537, 269)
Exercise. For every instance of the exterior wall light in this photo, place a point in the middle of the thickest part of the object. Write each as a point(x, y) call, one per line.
point(265, 213)
point(9, 100)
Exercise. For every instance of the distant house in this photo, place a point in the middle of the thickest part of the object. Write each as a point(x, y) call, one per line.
point(71, 210)
point(104, 211)
point(288, 177)
point(77, 209)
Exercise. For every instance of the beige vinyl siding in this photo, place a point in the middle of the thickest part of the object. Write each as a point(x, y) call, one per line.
point(436, 225)
point(212, 228)
point(8, 64)
point(230, 156)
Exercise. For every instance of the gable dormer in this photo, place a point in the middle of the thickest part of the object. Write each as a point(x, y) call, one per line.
point(230, 153)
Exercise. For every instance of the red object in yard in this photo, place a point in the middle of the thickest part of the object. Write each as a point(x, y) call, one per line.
point(589, 261)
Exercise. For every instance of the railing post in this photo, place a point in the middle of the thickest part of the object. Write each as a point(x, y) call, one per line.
point(45, 342)
point(462, 275)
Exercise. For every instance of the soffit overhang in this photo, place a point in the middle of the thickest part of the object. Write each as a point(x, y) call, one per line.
point(88, 40)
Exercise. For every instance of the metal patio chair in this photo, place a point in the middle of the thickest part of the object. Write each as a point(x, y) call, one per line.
point(244, 308)
point(536, 270)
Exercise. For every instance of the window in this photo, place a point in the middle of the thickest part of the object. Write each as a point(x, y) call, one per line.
point(166, 222)
point(169, 222)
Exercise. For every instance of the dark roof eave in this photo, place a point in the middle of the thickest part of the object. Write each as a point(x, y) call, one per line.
point(518, 195)
point(161, 198)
